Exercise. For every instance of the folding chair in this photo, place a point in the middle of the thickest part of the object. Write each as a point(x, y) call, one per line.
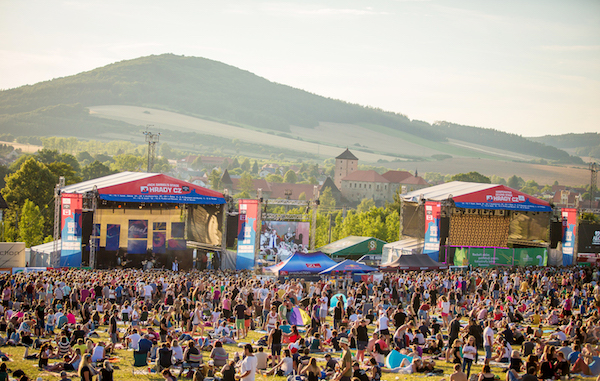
point(139, 360)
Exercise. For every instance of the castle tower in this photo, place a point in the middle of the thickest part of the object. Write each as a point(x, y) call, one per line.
point(345, 164)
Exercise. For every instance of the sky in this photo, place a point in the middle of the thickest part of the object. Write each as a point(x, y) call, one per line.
point(520, 66)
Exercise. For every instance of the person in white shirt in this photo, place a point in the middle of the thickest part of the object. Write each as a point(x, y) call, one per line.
point(383, 324)
point(134, 339)
point(248, 366)
point(215, 315)
point(469, 353)
point(324, 308)
point(148, 292)
point(222, 330)
point(488, 341)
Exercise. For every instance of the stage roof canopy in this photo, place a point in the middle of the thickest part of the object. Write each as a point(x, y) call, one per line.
point(480, 196)
point(353, 246)
point(147, 187)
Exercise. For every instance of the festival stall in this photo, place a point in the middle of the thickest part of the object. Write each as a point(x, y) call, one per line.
point(301, 264)
point(410, 262)
point(348, 266)
point(353, 247)
point(393, 250)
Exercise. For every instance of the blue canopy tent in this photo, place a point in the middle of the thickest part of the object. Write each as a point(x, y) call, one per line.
point(302, 264)
point(349, 266)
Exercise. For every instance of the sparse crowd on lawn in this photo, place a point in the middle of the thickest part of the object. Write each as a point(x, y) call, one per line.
point(531, 323)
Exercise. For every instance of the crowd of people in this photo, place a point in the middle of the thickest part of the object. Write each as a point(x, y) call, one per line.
point(531, 323)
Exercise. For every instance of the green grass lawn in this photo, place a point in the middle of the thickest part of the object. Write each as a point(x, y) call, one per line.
point(125, 368)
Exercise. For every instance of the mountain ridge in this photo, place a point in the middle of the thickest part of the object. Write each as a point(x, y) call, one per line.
point(211, 89)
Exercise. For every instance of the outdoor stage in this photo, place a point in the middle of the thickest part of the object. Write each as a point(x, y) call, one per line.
point(461, 224)
point(133, 219)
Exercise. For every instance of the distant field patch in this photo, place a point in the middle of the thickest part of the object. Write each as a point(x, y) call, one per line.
point(178, 122)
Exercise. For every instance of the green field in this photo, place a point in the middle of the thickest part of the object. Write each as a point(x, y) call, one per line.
point(125, 371)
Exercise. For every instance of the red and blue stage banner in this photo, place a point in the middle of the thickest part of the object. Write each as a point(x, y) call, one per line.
point(248, 219)
point(113, 237)
point(501, 198)
point(159, 242)
point(138, 229)
point(569, 217)
point(161, 188)
point(432, 229)
point(71, 232)
point(177, 230)
point(177, 244)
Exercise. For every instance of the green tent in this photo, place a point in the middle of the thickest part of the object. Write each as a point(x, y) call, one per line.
point(353, 247)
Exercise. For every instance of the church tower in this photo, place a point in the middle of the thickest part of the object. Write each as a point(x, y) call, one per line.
point(345, 164)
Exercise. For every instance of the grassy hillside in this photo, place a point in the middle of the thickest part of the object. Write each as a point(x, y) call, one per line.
point(200, 87)
point(219, 92)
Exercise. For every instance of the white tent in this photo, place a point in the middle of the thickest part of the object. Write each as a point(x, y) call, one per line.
point(391, 251)
point(44, 255)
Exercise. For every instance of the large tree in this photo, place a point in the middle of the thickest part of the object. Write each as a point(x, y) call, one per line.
point(127, 162)
point(246, 184)
point(515, 182)
point(47, 156)
point(34, 182)
point(274, 178)
point(326, 200)
point(473, 177)
point(31, 224)
point(65, 170)
point(290, 177)
point(215, 179)
point(94, 170)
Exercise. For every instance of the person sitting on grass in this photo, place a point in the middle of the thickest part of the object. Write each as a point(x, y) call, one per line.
point(228, 371)
point(459, 375)
point(330, 365)
point(168, 376)
point(3, 372)
point(285, 367)
point(315, 344)
point(106, 372)
point(86, 369)
point(486, 374)
point(70, 363)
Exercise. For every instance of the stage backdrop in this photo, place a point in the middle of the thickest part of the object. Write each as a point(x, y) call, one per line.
point(135, 229)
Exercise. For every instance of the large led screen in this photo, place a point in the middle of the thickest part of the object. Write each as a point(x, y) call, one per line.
point(280, 239)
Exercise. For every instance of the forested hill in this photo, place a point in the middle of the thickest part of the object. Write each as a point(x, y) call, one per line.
point(204, 88)
point(505, 141)
point(586, 144)
point(588, 139)
point(212, 90)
